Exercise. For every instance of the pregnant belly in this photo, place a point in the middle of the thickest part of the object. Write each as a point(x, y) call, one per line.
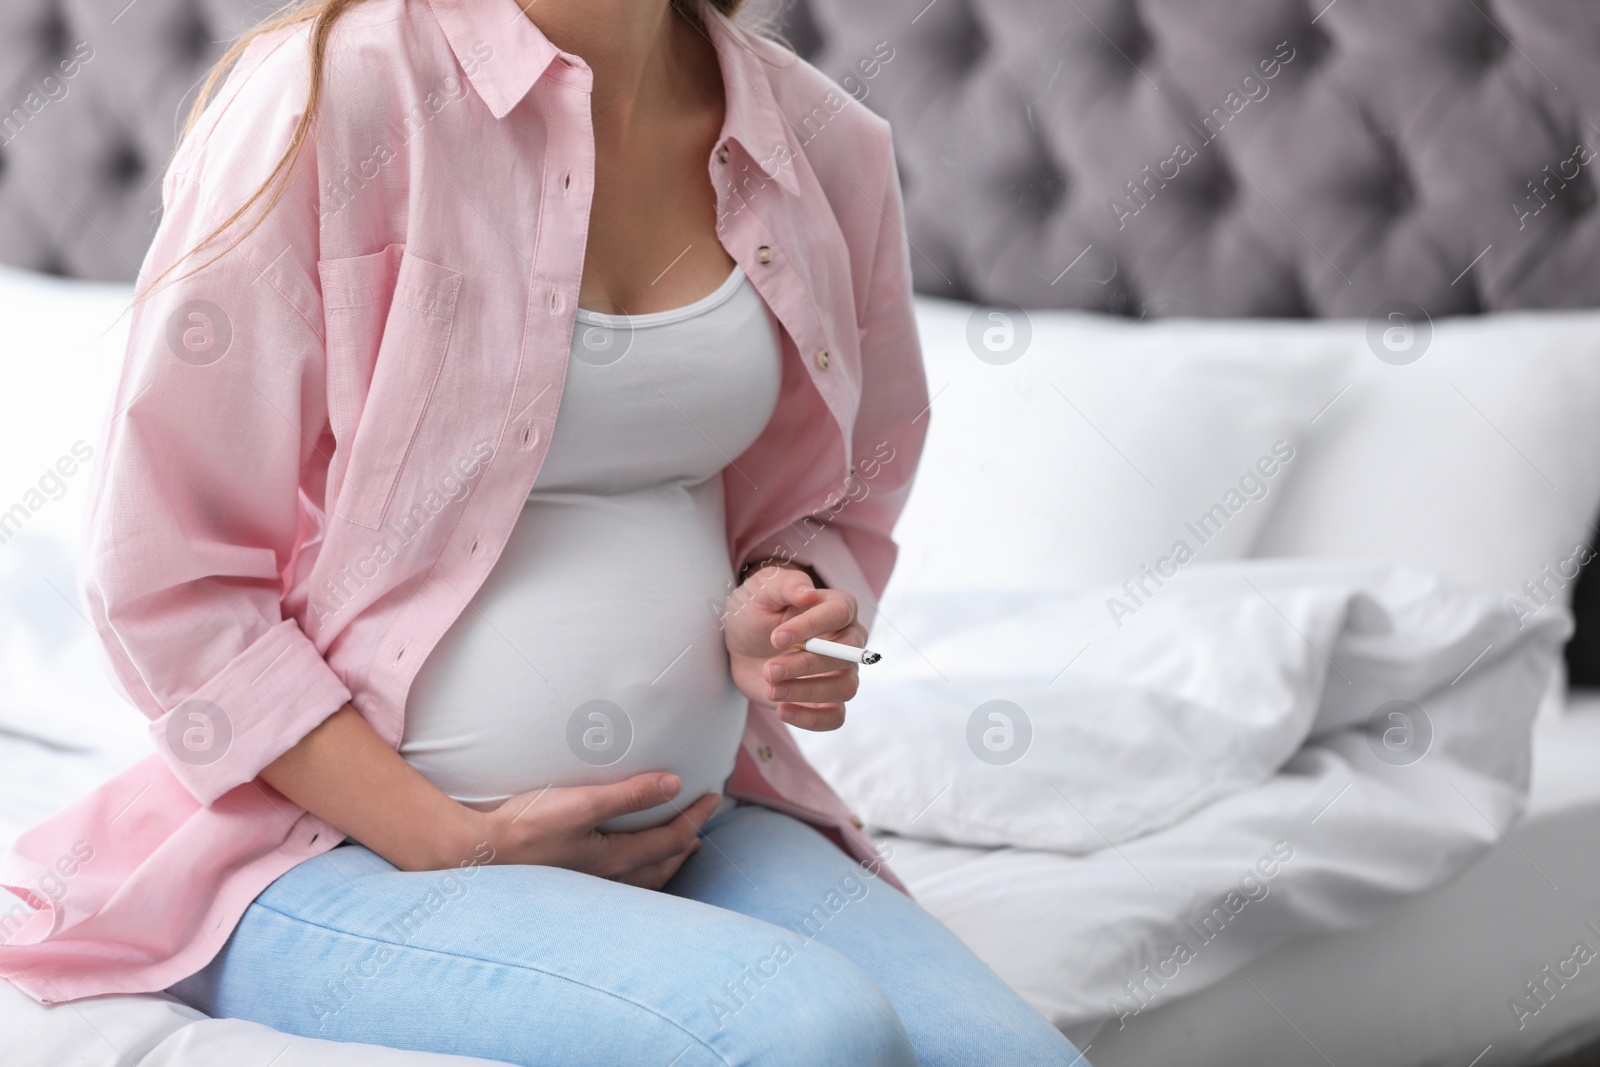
point(590, 654)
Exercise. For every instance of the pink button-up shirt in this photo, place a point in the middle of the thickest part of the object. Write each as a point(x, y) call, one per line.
point(321, 442)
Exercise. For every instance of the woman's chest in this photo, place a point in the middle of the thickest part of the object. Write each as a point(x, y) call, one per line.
point(449, 345)
point(652, 240)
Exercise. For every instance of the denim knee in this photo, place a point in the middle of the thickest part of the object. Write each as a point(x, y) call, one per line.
point(819, 1010)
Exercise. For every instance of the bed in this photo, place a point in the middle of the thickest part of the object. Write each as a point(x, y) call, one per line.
point(1427, 984)
point(1327, 187)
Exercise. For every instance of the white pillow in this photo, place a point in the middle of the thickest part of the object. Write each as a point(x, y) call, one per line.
point(1103, 445)
point(1480, 459)
point(1033, 719)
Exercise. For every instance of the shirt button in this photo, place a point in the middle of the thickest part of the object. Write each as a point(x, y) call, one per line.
point(764, 254)
point(764, 752)
point(530, 437)
point(722, 153)
point(855, 820)
point(822, 358)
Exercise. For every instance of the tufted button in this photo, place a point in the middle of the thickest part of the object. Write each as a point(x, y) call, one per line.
point(764, 254)
point(1042, 188)
point(1581, 200)
point(1134, 40)
point(1397, 194)
point(1217, 191)
point(722, 152)
point(1491, 42)
point(1310, 48)
point(193, 40)
point(1400, 197)
point(764, 753)
point(822, 358)
point(123, 166)
point(55, 36)
point(964, 42)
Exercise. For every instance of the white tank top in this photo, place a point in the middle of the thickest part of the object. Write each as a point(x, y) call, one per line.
point(593, 651)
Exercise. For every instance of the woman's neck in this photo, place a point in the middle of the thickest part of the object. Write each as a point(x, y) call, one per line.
point(643, 54)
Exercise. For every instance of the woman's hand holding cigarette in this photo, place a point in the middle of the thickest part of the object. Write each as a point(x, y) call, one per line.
point(776, 610)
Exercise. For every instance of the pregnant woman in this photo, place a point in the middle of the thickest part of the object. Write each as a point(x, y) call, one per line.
point(544, 378)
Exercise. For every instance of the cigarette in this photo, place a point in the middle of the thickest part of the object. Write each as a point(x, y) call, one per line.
point(835, 650)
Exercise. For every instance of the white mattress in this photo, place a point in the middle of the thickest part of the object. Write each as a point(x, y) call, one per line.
point(1430, 983)
point(1433, 982)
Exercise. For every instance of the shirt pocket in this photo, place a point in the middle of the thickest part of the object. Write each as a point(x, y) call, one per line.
point(388, 318)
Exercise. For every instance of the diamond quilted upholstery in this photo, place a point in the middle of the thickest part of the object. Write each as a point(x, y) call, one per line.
point(91, 96)
point(1237, 157)
point(1147, 157)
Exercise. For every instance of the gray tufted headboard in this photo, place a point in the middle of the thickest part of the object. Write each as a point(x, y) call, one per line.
point(1139, 157)
point(90, 98)
point(1239, 157)
point(1212, 157)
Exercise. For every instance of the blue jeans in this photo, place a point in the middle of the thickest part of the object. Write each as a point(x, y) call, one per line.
point(770, 946)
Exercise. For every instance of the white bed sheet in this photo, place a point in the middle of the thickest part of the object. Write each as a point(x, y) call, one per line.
point(1431, 982)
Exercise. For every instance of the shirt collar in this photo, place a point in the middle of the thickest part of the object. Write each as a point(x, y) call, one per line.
point(522, 54)
point(752, 118)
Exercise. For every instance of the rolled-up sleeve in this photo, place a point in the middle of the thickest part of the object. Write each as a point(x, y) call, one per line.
point(195, 514)
point(849, 541)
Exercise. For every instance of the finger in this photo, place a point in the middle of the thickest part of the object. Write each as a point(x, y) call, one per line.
point(819, 688)
point(639, 793)
point(797, 664)
point(820, 717)
point(699, 813)
point(835, 612)
point(788, 587)
point(659, 874)
point(630, 850)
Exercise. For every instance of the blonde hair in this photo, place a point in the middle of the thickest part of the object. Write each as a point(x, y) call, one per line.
point(322, 14)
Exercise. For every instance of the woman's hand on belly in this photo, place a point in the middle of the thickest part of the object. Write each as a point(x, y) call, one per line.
point(556, 827)
point(779, 607)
